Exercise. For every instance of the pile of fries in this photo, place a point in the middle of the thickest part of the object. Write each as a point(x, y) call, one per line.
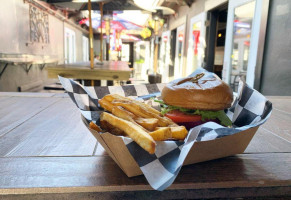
point(137, 120)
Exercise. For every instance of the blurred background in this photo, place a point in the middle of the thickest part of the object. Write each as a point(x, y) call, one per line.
point(245, 40)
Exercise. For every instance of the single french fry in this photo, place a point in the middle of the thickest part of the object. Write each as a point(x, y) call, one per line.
point(105, 104)
point(148, 123)
point(111, 97)
point(141, 137)
point(119, 111)
point(163, 133)
point(128, 105)
point(179, 132)
point(148, 107)
point(95, 127)
point(110, 128)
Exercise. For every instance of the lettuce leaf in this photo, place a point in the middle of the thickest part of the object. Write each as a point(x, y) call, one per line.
point(205, 114)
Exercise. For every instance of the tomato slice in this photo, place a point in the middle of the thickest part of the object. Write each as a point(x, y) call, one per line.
point(178, 116)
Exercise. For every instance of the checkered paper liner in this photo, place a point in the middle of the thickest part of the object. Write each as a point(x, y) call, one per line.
point(250, 109)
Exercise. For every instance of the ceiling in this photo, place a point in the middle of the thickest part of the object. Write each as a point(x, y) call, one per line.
point(109, 5)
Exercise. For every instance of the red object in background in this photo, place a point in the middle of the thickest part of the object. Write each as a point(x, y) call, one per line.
point(196, 34)
point(116, 25)
point(83, 21)
point(180, 37)
point(165, 38)
point(247, 43)
point(117, 40)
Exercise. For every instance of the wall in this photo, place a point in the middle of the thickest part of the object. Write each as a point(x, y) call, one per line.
point(276, 69)
point(14, 22)
point(15, 39)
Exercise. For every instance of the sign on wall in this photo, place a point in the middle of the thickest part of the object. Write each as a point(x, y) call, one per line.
point(39, 25)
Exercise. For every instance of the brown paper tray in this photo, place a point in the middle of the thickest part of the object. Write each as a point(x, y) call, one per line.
point(200, 152)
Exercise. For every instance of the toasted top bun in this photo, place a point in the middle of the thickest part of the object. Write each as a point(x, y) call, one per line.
point(199, 92)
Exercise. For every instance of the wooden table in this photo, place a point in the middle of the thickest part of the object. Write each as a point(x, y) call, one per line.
point(47, 153)
point(109, 70)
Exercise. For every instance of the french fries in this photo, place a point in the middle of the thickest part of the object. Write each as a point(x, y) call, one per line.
point(135, 132)
point(178, 132)
point(139, 121)
point(163, 133)
point(110, 128)
point(128, 105)
point(105, 104)
point(148, 123)
point(122, 113)
point(112, 97)
point(142, 111)
point(95, 127)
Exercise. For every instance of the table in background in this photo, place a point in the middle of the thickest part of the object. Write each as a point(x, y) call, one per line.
point(47, 152)
point(109, 70)
point(26, 62)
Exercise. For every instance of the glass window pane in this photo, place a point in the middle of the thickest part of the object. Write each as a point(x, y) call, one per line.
point(196, 29)
point(242, 28)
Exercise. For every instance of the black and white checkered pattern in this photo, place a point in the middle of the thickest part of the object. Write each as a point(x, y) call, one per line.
point(250, 109)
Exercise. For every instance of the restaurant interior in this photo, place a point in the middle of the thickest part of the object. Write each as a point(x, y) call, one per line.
point(150, 41)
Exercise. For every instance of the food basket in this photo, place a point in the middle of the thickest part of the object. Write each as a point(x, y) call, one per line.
point(206, 142)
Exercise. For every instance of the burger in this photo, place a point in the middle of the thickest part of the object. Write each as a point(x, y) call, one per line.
point(195, 100)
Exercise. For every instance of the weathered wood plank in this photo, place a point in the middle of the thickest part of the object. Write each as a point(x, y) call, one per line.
point(100, 174)
point(16, 110)
point(100, 151)
point(57, 131)
point(255, 193)
point(25, 94)
point(279, 124)
point(94, 74)
point(62, 95)
point(278, 97)
point(264, 141)
point(3, 98)
point(283, 105)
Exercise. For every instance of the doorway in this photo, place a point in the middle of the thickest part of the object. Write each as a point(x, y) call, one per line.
point(196, 45)
point(70, 46)
point(165, 56)
point(215, 39)
point(127, 53)
point(179, 54)
point(172, 53)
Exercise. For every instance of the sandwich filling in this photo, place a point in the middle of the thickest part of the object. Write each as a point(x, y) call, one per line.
point(191, 117)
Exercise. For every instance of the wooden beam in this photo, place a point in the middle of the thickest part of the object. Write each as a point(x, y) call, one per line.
point(101, 34)
point(91, 36)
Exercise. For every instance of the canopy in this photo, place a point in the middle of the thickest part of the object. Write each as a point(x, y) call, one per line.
point(116, 24)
